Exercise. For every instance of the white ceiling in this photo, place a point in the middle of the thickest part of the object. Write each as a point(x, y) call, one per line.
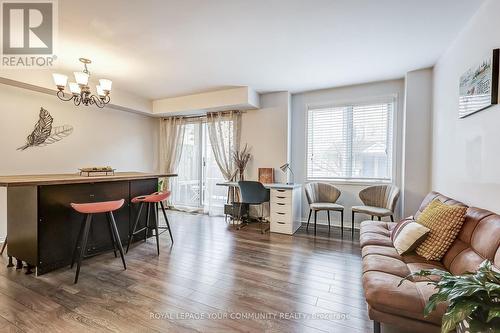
point(161, 49)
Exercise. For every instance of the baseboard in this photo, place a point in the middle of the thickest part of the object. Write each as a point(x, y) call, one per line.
point(335, 222)
point(347, 224)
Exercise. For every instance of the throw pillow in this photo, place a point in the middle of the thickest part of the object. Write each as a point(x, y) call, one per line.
point(410, 235)
point(445, 222)
point(399, 226)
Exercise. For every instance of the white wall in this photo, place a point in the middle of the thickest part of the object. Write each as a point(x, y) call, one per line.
point(240, 98)
point(347, 94)
point(466, 155)
point(266, 132)
point(123, 140)
point(417, 140)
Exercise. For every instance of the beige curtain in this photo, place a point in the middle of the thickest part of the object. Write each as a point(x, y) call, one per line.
point(171, 140)
point(224, 131)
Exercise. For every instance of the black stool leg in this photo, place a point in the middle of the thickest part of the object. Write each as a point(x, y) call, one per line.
point(112, 236)
point(19, 264)
point(29, 269)
point(379, 218)
point(155, 205)
point(10, 264)
point(392, 218)
point(117, 236)
point(166, 220)
point(78, 239)
point(135, 226)
point(148, 216)
point(328, 213)
point(83, 248)
point(309, 219)
point(4, 245)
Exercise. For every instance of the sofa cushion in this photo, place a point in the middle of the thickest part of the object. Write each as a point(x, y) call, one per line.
point(370, 238)
point(387, 251)
point(376, 233)
point(445, 222)
point(478, 240)
point(378, 227)
point(408, 300)
point(381, 263)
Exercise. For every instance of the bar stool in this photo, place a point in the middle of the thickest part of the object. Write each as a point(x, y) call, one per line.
point(107, 207)
point(151, 200)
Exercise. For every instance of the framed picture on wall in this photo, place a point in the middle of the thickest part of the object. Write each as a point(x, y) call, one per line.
point(266, 175)
point(479, 86)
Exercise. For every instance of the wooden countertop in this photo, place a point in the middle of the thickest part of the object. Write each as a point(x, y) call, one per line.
point(58, 179)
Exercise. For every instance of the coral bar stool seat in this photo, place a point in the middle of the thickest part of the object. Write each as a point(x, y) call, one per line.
point(98, 207)
point(155, 197)
point(154, 200)
point(89, 209)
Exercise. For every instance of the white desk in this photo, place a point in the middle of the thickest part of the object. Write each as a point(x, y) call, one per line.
point(285, 208)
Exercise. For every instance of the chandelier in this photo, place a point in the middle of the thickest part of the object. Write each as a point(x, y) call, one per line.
point(80, 90)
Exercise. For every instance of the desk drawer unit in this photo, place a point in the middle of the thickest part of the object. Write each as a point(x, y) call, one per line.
point(285, 210)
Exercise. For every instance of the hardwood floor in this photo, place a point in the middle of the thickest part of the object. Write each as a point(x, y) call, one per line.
point(214, 279)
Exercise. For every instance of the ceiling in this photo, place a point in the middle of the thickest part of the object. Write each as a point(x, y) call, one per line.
point(166, 48)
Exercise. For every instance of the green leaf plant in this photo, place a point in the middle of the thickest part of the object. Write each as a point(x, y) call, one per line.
point(471, 297)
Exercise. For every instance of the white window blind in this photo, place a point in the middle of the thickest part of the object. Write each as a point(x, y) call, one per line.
point(351, 142)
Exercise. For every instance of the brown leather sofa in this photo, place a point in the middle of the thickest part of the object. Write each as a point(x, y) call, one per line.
point(383, 267)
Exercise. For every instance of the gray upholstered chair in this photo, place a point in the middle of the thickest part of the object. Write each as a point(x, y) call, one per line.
point(323, 196)
point(379, 200)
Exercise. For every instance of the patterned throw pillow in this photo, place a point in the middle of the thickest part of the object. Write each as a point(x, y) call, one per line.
point(399, 226)
point(410, 235)
point(445, 222)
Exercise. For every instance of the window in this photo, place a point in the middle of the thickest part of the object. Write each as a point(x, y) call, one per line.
point(350, 142)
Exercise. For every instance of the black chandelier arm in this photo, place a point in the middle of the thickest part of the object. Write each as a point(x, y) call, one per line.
point(77, 100)
point(62, 96)
point(106, 99)
point(97, 101)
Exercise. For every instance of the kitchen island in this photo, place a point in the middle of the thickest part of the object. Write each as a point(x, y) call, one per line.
point(42, 227)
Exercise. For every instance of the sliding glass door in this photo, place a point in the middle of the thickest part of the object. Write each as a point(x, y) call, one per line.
point(186, 186)
point(195, 187)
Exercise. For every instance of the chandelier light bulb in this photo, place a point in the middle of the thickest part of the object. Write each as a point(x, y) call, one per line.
point(100, 91)
point(81, 78)
point(105, 84)
point(60, 80)
point(74, 88)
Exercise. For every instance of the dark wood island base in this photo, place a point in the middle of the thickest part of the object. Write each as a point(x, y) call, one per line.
point(42, 227)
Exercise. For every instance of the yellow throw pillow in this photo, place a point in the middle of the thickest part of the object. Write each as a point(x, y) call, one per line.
point(445, 222)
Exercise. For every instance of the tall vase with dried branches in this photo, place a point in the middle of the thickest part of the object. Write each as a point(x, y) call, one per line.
point(241, 158)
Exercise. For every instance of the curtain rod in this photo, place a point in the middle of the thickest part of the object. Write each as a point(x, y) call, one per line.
point(202, 116)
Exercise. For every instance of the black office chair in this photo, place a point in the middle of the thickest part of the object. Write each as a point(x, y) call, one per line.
point(254, 193)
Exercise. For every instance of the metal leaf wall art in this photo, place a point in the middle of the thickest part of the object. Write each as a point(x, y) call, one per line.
point(44, 133)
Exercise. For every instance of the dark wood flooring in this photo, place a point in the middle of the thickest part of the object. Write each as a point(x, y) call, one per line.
point(214, 279)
